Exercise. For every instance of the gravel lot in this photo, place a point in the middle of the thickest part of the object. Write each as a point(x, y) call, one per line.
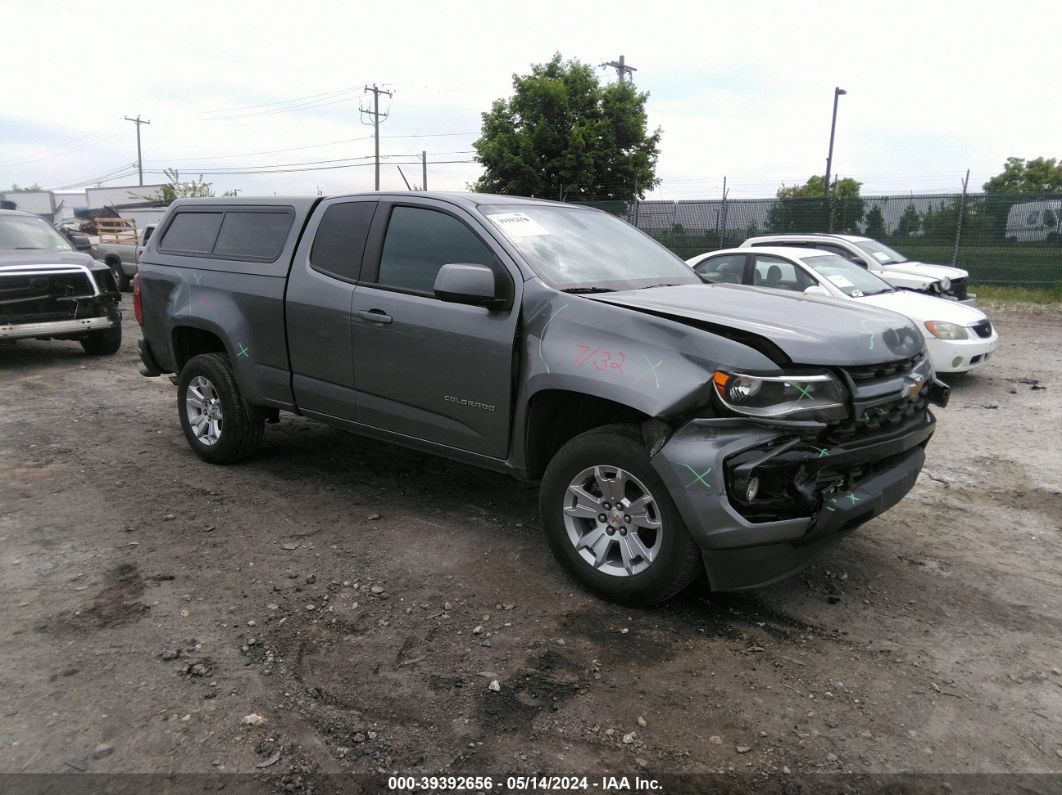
point(361, 599)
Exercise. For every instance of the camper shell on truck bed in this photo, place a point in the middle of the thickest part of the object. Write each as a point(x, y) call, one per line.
point(674, 425)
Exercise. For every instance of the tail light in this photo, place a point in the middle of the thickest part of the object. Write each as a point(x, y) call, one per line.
point(137, 309)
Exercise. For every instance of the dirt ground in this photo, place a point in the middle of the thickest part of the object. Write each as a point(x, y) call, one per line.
point(361, 599)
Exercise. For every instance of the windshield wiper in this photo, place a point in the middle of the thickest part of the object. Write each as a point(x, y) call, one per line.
point(584, 290)
point(664, 284)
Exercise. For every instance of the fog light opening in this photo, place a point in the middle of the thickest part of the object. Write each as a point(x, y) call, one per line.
point(752, 489)
point(956, 361)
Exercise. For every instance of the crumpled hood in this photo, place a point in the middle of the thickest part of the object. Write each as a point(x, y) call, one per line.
point(808, 329)
point(33, 257)
point(924, 269)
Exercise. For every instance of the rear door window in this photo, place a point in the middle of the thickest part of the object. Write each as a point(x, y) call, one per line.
point(192, 232)
point(339, 243)
point(253, 235)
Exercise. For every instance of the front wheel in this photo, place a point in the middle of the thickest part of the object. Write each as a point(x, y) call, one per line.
point(220, 426)
point(610, 520)
point(103, 343)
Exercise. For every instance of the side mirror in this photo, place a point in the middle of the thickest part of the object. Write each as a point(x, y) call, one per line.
point(467, 283)
point(817, 290)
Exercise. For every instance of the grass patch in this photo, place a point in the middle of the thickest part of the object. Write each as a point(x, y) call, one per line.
point(1006, 294)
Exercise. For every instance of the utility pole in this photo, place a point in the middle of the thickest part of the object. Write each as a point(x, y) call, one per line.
point(837, 94)
point(958, 224)
point(620, 66)
point(424, 169)
point(139, 162)
point(375, 113)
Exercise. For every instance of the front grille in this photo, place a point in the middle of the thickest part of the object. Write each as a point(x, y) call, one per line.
point(39, 298)
point(982, 329)
point(958, 289)
point(863, 374)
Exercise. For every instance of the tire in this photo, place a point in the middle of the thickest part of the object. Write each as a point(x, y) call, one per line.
point(120, 279)
point(227, 429)
point(103, 343)
point(673, 560)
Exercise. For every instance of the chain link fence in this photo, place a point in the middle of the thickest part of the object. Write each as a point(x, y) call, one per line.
point(999, 238)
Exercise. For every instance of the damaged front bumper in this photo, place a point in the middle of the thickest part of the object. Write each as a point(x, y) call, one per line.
point(60, 301)
point(806, 498)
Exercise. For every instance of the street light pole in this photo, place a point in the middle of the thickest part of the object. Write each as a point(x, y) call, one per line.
point(837, 94)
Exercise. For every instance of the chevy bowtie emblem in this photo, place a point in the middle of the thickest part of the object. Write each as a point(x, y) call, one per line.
point(914, 386)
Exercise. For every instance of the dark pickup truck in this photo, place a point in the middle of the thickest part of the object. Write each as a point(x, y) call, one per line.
point(675, 426)
point(50, 291)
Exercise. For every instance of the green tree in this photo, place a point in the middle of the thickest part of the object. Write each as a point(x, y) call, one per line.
point(875, 222)
point(910, 222)
point(802, 208)
point(176, 189)
point(16, 188)
point(1027, 176)
point(562, 135)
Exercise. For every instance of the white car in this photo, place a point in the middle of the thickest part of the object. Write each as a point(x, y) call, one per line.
point(892, 266)
point(958, 337)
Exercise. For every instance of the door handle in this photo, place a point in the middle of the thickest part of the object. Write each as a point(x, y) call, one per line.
point(374, 316)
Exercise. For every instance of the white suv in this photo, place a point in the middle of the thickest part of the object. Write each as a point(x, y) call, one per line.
point(942, 281)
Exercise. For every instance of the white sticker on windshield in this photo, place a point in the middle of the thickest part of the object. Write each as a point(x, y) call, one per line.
point(518, 225)
point(881, 256)
point(840, 281)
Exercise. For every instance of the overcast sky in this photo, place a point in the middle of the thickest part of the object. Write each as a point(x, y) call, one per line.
point(746, 92)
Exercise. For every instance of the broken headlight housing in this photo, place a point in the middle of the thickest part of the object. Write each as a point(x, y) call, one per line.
point(817, 396)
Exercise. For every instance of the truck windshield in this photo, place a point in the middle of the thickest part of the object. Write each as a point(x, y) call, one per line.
point(584, 250)
point(29, 233)
point(846, 276)
point(881, 252)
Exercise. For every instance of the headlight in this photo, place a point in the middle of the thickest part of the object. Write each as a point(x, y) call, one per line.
point(943, 330)
point(945, 284)
point(781, 396)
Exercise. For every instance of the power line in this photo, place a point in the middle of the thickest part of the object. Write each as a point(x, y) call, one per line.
point(69, 148)
point(280, 101)
point(265, 152)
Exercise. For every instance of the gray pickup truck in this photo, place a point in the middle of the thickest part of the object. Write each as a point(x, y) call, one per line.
point(675, 426)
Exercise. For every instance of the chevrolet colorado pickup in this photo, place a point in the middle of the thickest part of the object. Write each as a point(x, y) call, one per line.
point(50, 291)
point(675, 426)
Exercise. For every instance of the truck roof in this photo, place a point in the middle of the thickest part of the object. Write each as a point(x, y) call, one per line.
point(306, 202)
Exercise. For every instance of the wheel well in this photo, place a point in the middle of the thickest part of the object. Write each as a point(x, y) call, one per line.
point(556, 416)
point(112, 259)
point(189, 342)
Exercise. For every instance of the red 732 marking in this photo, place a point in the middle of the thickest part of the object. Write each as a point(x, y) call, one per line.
point(601, 359)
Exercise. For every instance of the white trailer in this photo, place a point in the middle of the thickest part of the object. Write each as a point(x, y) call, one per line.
point(1033, 221)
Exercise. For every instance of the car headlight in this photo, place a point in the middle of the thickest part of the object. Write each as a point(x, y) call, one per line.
point(781, 396)
point(945, 284)
point(943, 330)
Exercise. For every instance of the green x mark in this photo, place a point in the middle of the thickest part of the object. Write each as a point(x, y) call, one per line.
point(823, 451)
point(698, 478)
point(881, 412)
point(243, 352)
point(853, 498)
point(805, 391)
point(651, 369)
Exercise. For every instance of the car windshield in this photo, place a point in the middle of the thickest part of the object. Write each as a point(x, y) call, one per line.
point(881, 252)
point(846, 276)
point(584, 250)
point(29, 233)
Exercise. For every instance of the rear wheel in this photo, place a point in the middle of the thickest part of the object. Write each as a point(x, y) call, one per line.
point(610, 520)
point(220, 426)
point(103, 343)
